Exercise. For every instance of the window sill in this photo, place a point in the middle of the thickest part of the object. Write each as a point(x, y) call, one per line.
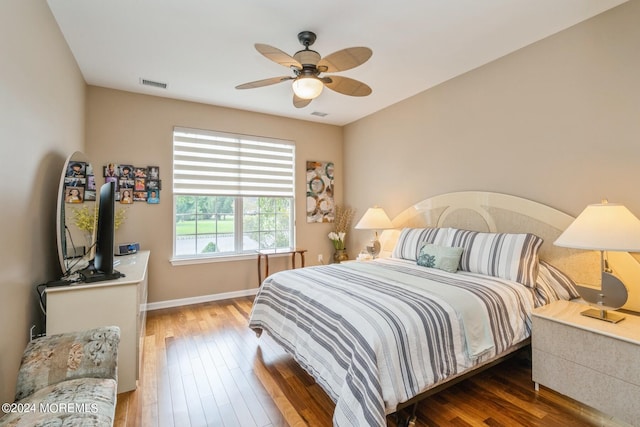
point(208, 260)
point(176, 262)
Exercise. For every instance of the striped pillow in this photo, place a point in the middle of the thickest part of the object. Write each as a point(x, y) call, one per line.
point(509, 256)
point(411, 240)
point(556, 283)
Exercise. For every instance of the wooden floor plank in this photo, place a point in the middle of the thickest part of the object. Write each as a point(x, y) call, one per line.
point(193, 400)
point(250, 399)
point(211, 411)
point(204, 367)
point(280, 400)
point(264, 398)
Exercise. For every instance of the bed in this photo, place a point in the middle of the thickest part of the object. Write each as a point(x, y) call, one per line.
point(378, 336)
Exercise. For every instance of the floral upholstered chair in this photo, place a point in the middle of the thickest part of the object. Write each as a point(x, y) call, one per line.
point(67, 379)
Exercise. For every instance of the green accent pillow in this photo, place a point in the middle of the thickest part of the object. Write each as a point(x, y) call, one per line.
point(441, 257)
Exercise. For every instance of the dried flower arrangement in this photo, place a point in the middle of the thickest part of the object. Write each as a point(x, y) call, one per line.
point(341, 224)
point(85, 218)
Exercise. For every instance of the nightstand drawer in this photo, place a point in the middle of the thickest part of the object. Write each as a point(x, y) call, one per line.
point(601, 353)
point(611, 395)
point(594, 362)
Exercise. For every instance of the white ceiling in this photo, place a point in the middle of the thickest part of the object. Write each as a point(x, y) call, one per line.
point(203, 48)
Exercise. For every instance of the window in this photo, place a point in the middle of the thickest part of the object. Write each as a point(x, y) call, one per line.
point(233, 194)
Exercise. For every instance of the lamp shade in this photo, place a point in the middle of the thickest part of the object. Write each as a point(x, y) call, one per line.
point(374, 219)
point(307, 87)
point(603, 227)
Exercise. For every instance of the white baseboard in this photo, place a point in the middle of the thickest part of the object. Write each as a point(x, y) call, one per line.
point(197, 300)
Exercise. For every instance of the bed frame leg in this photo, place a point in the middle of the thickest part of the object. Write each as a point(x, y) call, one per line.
point(410, 420)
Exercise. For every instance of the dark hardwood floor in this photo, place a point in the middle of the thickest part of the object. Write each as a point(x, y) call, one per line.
point(204, 367)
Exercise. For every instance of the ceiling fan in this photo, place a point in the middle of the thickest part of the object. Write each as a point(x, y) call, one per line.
point(307, 65)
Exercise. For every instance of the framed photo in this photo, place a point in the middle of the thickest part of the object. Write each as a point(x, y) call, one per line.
point(140, 184)
point(90, 195)
point(126, 196)
point(153, 184)
point(140, 196)
point(126, 172)
point(74, 194)
point(153, 172)
point(111, 170)
point(139, 172)
point(126, 183)
point(72, 181)
point(76, 170)
point(153, 196)
point(91, 182)
point(320, 181)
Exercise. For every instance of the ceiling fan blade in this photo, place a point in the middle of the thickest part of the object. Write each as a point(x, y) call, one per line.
point(344, 59)
point(265, 82)
point(346, 86)
point(277, 56)
point(299, 102)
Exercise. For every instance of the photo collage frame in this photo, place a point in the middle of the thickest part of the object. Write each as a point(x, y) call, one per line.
point(79, 183)
point(134, 183)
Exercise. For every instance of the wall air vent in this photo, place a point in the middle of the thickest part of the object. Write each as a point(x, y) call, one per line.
point(319, 114)
point(152, 83)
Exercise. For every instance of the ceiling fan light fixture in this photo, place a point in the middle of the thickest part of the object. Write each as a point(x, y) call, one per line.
point(307, 87)
point(307, 66)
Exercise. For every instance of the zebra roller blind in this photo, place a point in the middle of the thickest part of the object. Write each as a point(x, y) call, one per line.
point(223, 164)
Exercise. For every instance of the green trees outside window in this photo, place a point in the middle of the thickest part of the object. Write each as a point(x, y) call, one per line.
point(223, 225)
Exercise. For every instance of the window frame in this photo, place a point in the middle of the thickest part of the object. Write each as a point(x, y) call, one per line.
point(239, 232)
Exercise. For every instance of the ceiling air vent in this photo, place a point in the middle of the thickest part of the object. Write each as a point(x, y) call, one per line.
point(152, 83)
point(319, 114)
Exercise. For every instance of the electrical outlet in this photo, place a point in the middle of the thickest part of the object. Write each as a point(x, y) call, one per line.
point(320, 259)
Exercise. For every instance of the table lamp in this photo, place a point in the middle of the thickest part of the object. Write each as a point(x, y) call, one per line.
point(603, 227)
point(374, 218)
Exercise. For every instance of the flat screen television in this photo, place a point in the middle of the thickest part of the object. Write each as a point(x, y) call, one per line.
point(101, 267)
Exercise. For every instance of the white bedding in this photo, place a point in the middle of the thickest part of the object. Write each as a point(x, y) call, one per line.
point(374, 334)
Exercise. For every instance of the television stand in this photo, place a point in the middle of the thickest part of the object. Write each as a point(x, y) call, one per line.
point(121, 302)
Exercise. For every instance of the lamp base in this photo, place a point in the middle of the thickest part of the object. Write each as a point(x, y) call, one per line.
point(374, 248)
point(605, 315)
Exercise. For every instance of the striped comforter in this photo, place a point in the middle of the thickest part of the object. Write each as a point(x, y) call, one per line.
point(375, 334)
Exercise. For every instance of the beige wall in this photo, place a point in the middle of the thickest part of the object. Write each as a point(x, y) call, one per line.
point(41, 122)
point(136, 129)
point(557, 122)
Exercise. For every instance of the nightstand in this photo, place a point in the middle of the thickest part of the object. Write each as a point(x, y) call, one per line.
point(589, 360)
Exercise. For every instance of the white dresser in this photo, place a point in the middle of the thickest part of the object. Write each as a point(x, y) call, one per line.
point(592, 361)
point(120, 302)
